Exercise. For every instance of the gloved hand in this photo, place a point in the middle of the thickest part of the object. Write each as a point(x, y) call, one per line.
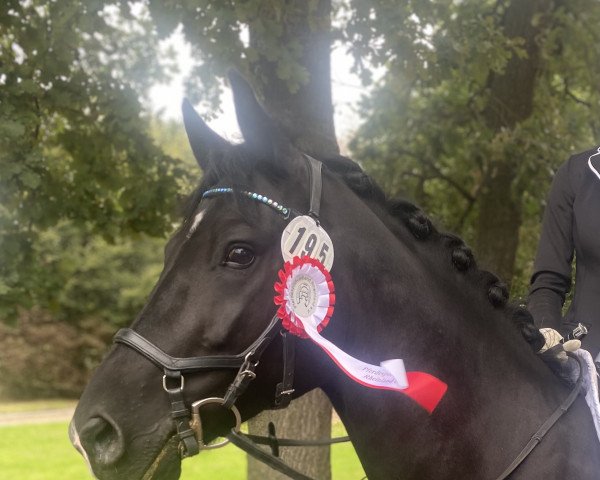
point(554, 353)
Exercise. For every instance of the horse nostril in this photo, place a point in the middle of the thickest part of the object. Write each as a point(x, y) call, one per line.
point(102, 441)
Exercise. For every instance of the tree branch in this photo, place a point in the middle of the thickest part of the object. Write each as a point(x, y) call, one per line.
point(449, 180)
point(571, 95)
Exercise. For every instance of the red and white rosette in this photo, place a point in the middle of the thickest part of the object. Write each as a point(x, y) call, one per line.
point(305, 295)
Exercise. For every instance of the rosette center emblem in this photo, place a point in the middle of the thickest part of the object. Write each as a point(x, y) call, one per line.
point(305, 292)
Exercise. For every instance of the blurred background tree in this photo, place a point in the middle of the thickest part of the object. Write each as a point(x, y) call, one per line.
point(480, 103)
point(88, 184)
point(76, 146)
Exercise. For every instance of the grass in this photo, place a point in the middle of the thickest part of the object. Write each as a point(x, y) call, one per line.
point(39, 452)
point(43, 452)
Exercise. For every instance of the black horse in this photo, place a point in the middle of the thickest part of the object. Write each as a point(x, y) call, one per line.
point(404, 290)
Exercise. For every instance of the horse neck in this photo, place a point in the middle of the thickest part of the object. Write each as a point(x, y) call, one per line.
point(493, 393)
point(449, 330)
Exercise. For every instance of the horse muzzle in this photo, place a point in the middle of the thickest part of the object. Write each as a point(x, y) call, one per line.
point(101, 443)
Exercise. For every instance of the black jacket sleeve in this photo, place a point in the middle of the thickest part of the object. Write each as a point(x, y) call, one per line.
point(551, 279)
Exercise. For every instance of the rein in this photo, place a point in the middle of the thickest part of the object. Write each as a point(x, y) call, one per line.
point(248, 444)
point(548, 424)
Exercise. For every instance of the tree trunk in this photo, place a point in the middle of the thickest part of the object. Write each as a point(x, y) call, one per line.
point(307, 113)
point(499, 222)
point(307, 117)
point(308, 417)
point(511, 102)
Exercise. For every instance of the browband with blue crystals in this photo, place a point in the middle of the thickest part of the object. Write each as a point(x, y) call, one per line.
point(283, 211)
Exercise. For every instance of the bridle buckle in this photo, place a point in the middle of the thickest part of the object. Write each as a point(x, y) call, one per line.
point(173, 390)
point(248, 374)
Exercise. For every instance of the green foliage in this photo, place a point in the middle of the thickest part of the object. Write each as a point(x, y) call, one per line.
point(427, 132)
point(74, 143)
point(219, 34)
point(75, 146)
point(96, 279)
point(79, 289)
point(88, 185)
point(170, 136)
point(41, 357)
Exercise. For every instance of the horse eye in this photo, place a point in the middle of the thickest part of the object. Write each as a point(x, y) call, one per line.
point(239, 257)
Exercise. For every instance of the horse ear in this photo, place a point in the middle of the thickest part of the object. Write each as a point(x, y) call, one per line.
point(256, 126)
point(203, 140)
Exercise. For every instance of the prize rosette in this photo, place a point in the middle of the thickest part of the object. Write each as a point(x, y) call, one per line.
point(304, 290)
point(305, 295)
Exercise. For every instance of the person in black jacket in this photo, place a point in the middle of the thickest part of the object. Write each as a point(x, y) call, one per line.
point(571, 227)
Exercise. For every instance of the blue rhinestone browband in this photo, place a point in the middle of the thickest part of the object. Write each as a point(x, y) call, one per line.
point(284, 211)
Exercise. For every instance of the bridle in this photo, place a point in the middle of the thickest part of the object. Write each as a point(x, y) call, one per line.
point(189, 430)
point(189, 427)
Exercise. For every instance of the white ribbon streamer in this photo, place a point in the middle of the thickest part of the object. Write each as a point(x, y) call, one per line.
point(390, 374)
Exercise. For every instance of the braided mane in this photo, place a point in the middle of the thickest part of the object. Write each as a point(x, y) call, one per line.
point(422, 228)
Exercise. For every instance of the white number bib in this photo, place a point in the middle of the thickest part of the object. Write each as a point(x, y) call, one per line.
point(303, 237)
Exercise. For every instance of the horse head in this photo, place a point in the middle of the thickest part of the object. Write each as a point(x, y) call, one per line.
point(213, 300)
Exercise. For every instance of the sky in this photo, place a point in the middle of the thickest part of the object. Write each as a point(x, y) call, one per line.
point(346, 90)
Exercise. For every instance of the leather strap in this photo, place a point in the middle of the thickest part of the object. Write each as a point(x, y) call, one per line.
point(272, 461)
point(248, 444)
point(284, 389)
point(273, 440)
point(181, 416)
point(241, 381)
point(548, 424)
point(134, 340)
point(292, 442)
point(316, 185)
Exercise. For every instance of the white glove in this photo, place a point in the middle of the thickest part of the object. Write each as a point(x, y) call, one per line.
point(553, 338)
point(554, 353)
